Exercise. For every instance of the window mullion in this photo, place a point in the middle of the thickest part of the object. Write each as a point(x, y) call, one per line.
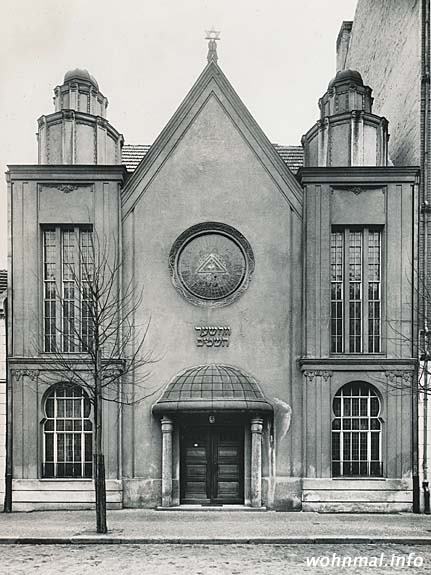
point(369, 433)
point(342, 435)
point(346, 301)
point(59, 291)
point(82, 438)
point(77, 292)
point(365, 261)
point(55, 435)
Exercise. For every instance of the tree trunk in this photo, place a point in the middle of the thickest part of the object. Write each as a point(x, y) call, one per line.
point(99, 459)
point(100, 488)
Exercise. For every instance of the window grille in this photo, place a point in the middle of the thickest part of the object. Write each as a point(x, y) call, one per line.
point(356, 432)
point(68, 433)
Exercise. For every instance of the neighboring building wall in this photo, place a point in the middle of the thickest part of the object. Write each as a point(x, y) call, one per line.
point(385, 48)
point(2, 395)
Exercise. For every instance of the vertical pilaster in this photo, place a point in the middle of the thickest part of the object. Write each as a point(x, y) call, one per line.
point(256, 427)
point(167, 428)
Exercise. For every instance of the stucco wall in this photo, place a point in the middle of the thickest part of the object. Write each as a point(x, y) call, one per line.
point(212, 174)
point(381, 197)
point(385, 49)
point(41, 196)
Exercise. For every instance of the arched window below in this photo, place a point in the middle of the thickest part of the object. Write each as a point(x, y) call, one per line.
point(67, 433)
point(356, 432)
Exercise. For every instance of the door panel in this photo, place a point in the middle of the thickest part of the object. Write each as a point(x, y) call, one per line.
point(212, 465)
point(229, 462)
point(195, 466)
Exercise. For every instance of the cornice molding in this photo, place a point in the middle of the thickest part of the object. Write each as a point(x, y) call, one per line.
point(357, 364)
point(51, 173)
point(79, 117)
point(42, 361)
point(359, 175)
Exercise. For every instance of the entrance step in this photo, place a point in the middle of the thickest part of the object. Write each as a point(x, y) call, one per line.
point(222, 508)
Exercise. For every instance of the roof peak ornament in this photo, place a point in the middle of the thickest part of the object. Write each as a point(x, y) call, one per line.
point(212, 36)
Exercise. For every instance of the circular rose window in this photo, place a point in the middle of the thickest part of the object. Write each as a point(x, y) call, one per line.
point(211, 264)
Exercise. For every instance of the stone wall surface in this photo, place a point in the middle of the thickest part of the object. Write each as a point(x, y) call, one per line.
point(385, 49)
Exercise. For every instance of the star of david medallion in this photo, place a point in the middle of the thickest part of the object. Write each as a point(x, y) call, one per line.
point(211, 264)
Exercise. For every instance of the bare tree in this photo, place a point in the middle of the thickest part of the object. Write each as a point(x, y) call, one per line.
point(97, 343)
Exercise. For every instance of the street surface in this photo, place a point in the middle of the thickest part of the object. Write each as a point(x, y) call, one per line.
point(213, 559)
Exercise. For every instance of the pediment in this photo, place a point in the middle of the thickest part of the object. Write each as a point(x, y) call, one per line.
point(212, 91)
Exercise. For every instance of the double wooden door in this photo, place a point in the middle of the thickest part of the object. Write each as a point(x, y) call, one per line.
point(212, 465)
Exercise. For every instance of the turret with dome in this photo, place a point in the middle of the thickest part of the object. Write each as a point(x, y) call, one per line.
point(78, 131)
point(348, 133)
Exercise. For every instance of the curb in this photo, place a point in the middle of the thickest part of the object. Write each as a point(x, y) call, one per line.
point(107, 540)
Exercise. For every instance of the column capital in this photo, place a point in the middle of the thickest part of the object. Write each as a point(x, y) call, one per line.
point(256, 424)
point(167, 424)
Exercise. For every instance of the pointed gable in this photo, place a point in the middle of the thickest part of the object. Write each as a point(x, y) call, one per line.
point(212, 89)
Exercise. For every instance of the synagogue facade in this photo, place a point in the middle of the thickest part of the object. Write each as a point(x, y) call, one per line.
point(279, 304)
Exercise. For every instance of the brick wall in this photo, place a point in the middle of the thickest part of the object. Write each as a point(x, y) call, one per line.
point(385, 49)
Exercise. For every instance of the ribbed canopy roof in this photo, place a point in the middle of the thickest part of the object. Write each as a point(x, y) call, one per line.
point(212, 388)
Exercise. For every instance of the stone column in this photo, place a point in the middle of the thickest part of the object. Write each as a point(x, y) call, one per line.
point(256, 461)
point(167, 427)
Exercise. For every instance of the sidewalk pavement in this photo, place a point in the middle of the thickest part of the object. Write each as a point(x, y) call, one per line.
point(213, 527)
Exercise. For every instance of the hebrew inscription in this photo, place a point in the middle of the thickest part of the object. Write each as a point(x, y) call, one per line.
point(212, 336)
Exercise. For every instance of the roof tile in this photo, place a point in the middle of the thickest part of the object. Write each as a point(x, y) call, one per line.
point(292, 156)
point(3, 281)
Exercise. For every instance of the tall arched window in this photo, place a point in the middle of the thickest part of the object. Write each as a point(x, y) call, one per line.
point(356, 431)
point(67, 433)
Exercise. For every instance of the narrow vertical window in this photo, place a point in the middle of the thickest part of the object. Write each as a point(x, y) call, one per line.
point(374, 291)
point(337, 290)
point(49, 289)
point(68, 270)
point(355, 274)
point(356, 432)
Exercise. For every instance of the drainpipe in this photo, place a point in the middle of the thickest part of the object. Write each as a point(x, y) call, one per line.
point(425, 483)
point(120, 311)
point(425, 208)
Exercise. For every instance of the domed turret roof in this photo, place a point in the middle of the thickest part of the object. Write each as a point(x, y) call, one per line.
point(346, 76)
point(212, 387)
point(78, 74)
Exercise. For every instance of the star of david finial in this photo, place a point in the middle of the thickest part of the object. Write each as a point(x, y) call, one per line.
point(212, 36)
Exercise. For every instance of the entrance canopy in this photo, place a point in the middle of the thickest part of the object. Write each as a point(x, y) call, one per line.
point(212, 388)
